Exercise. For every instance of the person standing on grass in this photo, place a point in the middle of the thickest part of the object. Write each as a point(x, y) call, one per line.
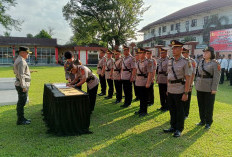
point(22, 83)
point(185, 53)
point(68, 66)
point(143, 73)
point(86, 77)
point(128, 64)
point(162, 79)
point(101, 72)
point(117, 75)
point(223, 64)
point(151, 96)
point(208, 77)
point(179, 72)
point(135, 87)
point(109, 67)
point(230, 71)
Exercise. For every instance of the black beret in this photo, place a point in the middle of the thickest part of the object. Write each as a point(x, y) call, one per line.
point(68, 55)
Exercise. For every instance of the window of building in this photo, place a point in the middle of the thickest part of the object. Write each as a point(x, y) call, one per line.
point(148, 44)
point(160, 30)
point(172, 27)
point(6, 55)
point(46, 55)
point(164, 29)
point(178, 26)
point(92, 57)
point(194, 23)
point(153, 31)
point(206, 20)
point(187, 25)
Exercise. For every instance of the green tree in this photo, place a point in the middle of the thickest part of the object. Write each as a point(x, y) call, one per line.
point(29, 35)
point(6, 20)
point(43, 34)
point(215, 23)
point(108, 21)
point(6, 34)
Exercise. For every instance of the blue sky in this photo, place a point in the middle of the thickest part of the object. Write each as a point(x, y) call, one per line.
point(42, 14)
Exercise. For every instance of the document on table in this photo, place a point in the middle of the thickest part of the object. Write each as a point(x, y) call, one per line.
point(61, 85)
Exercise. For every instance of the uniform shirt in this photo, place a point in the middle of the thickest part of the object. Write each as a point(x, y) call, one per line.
point(143, 67)
point(223, 62)
point(109, 64)
point(88, 73)
point(68, 74)
point(128, 63)
point(22, 73)
point(162, 64)
point(117, 69)
point(182, 68)
point(229, 64)
point(208, 84)
point(100, 65)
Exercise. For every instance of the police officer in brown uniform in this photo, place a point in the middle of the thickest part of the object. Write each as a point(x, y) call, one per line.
point(135, 87)
point(86, 77)
point(109, 67)
point(151, 88)
point(101, 72)
point(117, 75)
point(68, 66)
point(162, 78)
point(22, 83)
point(143, 72)
point(179, 72)
point(185, 53)
point(128, 64)
point(208, 77)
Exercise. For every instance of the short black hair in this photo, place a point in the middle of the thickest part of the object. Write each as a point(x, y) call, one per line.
point(212, 55)
point(68, 55)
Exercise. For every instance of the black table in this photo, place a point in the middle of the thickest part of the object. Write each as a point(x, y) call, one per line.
point(65, 115)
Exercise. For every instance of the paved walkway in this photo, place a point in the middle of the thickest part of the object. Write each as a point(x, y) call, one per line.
point(8, 93)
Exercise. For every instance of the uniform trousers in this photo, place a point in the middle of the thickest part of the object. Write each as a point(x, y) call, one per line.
point(187, 104)
point(230, 76)
point(135, 90)
point(110, 83)
point(163, 96)
point(22, 99)
point(206, 105)
point(118, 87)
point(222, 75)
point(151, 94)
point(143, 97)
point(127, 88)
point(92, 96)
point(103, 84)
point(176, 108)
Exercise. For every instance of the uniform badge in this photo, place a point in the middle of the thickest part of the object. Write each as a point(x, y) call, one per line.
point(194, 64)
point(190, 64)
point(219, 67)
point(173, 43)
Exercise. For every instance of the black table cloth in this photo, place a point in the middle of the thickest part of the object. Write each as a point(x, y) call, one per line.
point(65, 115)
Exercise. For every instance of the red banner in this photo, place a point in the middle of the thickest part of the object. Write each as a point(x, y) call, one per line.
point(221, 40)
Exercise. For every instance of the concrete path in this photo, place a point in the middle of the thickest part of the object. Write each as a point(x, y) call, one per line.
point(8, 93)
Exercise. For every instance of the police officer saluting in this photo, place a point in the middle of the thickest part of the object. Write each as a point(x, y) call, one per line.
point(179, 72)
point(22, 83)
point(143, 72)
point(185, 53)
point(162, 78)
point(208, 77)
point(101, 72)
point(117, 75)
point(109, 73)
point(128, 64)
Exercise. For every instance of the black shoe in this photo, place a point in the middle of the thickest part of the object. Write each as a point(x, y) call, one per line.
point(24, 122)
point(207, 126)
point(170, 130)
point(164, 110)
point(125, 105)
point(142, 114)
point(101, 94)
point(177, 133)
point(108, 97)
point(150, 104)
point(137, 112)
point(117, 101)
point(27, 119)
point(186, 117)
point(136, 99)
point(200, 124)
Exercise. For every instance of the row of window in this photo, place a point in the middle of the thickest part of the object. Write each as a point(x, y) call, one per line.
point(176, 26)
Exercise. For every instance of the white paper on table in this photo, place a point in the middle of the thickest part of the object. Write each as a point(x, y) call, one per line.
point(60, 85)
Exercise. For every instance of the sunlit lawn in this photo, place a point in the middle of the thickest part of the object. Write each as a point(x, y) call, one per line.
point(117, 131)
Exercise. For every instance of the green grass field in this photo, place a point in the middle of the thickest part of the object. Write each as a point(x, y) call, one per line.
point(117, 131)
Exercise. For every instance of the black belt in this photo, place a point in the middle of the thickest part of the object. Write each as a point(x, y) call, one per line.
point(99, 67)
point(117, 70)
point(126, 70)
point(165, 73)
point(177, 81)
point(204, 76)
point(108, 70)
point(26, 80)
point(90, 78)
point(145, 76)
